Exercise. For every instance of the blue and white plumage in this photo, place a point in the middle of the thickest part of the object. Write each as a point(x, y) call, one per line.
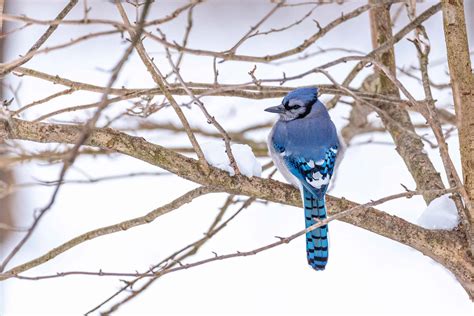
point(303, 144)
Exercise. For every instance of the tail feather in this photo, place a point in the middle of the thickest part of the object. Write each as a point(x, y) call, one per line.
point(316, 240)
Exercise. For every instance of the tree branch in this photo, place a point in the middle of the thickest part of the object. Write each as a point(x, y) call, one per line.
point(160, 81)
point(122, 226)
point(41, 40)
point(373, 220)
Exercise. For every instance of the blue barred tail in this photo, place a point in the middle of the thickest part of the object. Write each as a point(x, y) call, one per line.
point(316, 240)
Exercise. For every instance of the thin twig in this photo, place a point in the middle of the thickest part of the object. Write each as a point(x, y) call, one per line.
point(122, 226)
point(210, 119)
point(70, 5)
point(194, 247)
point(254, 29)
point(160, 81)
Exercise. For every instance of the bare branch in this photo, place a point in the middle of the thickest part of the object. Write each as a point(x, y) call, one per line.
point(159, 80)
point(281, 241)
point(210, 119)
point(122, 226)
point(42, 39)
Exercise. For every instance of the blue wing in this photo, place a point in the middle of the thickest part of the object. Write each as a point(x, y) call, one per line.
point(314, 174)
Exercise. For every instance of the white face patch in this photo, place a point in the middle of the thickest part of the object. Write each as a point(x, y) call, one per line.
point(294, 109)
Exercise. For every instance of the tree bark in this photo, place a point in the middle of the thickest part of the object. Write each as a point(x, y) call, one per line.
point(462, 82)
point(409, 147)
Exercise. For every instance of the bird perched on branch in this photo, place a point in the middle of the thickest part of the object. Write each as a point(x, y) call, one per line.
point(303, 144)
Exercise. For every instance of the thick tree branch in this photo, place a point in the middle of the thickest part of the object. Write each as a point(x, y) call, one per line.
point(431, 243)
point(408, 146)
point(462, 82)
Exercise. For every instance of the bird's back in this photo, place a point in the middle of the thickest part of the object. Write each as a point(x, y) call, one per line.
point(310, 136)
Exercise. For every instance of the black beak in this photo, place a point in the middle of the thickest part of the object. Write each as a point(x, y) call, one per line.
point(276, 109)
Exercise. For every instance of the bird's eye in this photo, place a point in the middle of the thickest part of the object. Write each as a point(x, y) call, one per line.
point(296, 106)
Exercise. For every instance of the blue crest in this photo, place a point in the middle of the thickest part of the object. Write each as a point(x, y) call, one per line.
point(306, 95)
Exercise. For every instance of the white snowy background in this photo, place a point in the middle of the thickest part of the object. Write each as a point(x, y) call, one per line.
point(367, 274)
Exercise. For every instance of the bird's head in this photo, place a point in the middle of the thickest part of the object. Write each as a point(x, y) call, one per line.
point(297, 104)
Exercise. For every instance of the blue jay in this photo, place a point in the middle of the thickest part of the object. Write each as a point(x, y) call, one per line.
point(303, 144)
